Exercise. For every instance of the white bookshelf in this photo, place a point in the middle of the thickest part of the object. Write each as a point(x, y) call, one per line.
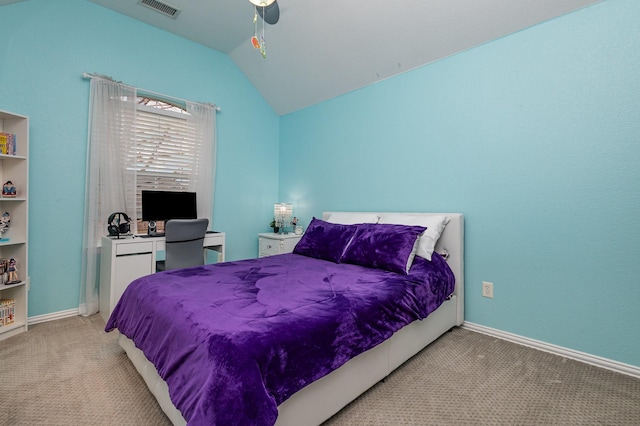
point(15, 168)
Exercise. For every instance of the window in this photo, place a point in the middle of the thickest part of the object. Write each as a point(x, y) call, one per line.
point(165, 150)
point(138, 141)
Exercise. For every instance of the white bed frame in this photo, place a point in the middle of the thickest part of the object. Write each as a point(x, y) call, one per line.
point(320, 400)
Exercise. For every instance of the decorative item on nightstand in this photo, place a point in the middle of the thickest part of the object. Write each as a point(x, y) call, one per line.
point(297, 228)
point(283, 213)
point(273, 225)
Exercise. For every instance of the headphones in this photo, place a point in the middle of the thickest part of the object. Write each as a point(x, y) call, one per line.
point(118, 223)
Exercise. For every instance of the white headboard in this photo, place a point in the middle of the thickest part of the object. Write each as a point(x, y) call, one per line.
point(451, 241)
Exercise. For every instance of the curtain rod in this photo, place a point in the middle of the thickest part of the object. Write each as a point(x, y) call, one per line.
point(106, 77)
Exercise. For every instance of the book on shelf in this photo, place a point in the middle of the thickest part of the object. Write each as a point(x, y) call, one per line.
point(7, 143)
point(4, 273)
point(7, 311)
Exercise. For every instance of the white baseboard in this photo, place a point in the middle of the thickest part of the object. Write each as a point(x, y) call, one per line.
point(597, 361)
point(53, 316)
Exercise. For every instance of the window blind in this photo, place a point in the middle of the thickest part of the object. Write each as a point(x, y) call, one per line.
point(164, 153)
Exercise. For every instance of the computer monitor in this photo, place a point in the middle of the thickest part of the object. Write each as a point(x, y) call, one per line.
point(166, 205)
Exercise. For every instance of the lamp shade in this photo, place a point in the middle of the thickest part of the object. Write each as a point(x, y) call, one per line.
point(283, 212)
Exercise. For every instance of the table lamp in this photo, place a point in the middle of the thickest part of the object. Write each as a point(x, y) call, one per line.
point(283, 213)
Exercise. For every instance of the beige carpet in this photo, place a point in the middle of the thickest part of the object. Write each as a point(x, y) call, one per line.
point(69, 372)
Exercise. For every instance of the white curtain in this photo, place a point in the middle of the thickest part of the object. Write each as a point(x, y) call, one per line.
point(202, 182)
point(111, 171)
point(111, 117)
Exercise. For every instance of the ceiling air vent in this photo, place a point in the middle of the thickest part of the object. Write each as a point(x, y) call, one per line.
point(158, 6)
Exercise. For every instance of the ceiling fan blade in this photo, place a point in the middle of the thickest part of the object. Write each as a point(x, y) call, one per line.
point(270, 14)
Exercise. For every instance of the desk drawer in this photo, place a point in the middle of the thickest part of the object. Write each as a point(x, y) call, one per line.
point(134, 248)
point(214, 239)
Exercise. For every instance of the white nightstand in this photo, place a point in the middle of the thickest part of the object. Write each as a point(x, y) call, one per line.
point(271, 243)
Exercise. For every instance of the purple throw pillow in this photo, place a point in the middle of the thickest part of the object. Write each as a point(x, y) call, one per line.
point(324, 240)
point(383, 246)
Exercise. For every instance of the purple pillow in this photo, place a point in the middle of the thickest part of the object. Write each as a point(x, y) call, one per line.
point(383, 246)
point(324, 240)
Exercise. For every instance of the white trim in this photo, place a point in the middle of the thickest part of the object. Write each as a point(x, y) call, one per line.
point(53, 316)
point(609, 364)
point(159, 111)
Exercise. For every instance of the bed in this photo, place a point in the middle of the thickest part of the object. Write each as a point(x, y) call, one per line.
point(262, 388)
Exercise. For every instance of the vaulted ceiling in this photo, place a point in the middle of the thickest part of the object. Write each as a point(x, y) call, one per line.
point(322, 49)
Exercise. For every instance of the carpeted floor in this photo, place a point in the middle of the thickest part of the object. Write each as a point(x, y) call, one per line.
point(69, 372)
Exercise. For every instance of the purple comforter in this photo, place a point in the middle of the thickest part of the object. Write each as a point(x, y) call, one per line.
point(236, 339)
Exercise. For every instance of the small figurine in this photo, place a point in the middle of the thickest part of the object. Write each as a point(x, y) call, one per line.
point(5, 219)
point(8, 189)
point(13, 274)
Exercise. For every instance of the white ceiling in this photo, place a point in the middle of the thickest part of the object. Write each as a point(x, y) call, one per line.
point(322, 49)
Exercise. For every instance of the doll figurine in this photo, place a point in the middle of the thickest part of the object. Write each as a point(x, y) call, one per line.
point(8, 189)
point(13, 273)
point(5, 220)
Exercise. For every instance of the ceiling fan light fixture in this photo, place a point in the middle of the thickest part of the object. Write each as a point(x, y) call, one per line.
point(270, 14)
point(261, 3)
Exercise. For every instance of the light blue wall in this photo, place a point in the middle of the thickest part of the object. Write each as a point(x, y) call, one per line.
point(534, 137)
point(45, 47)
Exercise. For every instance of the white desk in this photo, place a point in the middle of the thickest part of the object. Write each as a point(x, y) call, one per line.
point(125, 259)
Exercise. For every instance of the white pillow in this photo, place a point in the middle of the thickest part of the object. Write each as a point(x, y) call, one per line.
point(435, 225)
point(349, 218)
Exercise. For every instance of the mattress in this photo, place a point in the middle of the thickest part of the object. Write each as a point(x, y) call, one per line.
point(234, 340)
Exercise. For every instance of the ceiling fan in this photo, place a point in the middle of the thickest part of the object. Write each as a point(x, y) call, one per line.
point(268, 10)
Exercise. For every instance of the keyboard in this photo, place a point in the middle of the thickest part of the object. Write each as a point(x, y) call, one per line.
point(161, 234)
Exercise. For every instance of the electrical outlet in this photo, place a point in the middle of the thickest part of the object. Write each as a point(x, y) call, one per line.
point(487, 289)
